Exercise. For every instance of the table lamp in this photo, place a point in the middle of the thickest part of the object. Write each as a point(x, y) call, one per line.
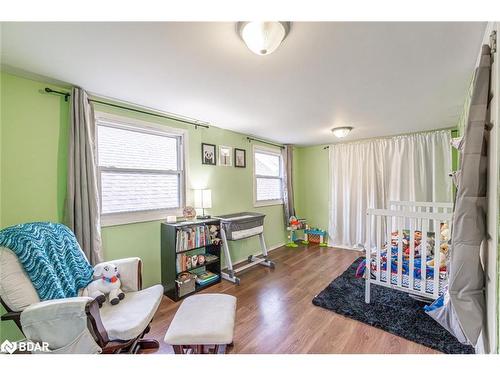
point(203, 199)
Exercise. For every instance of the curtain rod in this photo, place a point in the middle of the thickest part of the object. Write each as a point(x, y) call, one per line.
point(266, 142)
point(67, 95)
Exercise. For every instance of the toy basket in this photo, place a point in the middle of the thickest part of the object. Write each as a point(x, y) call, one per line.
point(314, 238)
point(186, 284)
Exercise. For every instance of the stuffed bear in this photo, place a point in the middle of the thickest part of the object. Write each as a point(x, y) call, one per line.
point(443, 254)
point(108, 282)
point(443, 248)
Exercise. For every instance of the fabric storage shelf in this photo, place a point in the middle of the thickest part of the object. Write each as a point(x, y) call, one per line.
point(242, 225)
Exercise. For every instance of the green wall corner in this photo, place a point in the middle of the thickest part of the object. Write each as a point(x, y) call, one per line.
point(311, 185)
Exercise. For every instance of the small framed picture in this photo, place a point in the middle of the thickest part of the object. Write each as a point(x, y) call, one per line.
point(208, 154)
point(240, 160)
point(225, 156)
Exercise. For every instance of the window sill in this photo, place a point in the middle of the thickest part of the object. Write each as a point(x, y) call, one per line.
point(109, 220)
point(268, 203)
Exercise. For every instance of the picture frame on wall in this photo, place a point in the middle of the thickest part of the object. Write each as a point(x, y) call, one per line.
point(225, 156)
point(240, 158)
point(208, 154)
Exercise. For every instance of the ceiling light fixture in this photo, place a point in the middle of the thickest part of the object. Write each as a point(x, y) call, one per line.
point(263, 38)
point(342, 131)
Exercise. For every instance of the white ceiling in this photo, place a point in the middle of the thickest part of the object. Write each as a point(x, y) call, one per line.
point(380, 78)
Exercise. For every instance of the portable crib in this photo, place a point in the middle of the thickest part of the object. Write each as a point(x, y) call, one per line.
point(391, 258)
point(237, 227)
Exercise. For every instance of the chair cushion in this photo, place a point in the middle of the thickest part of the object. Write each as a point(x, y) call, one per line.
point(16, 288)
point(203, 319)
point(132, 315)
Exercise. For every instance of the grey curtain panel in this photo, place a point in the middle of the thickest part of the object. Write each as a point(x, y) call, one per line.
point(464, 305)
point(82, 198)
point(288, 206)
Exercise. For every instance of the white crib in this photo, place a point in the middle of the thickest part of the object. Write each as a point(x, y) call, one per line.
point(421, 206)
point(386, 235)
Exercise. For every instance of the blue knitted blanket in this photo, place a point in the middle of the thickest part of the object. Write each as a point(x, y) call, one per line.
point(51, 257)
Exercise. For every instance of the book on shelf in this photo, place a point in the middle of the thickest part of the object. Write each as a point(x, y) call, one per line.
point(206, 277)
point(192, 237)
point(185, 262)
point(210, 258)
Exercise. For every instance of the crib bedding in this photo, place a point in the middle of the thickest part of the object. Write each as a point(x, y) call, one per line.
point(405, 271)
point(405, 267)
point(417, 266)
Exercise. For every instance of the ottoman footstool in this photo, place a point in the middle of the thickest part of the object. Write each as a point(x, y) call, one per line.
point(202, 321)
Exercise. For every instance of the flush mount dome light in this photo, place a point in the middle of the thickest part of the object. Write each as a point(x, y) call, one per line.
point(342, 131)
point(263, 38)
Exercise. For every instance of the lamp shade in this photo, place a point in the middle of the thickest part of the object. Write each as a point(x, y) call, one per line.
point(202, 198)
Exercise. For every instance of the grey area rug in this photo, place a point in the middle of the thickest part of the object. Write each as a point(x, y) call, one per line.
point(391, 310)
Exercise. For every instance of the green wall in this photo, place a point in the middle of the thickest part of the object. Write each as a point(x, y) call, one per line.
point(34, 132)
point(32, 149)
point(311, 185)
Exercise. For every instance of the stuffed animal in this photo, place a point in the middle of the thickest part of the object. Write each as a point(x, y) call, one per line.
point(428, 249)
point(443, 248)
point(214, 231)
point(443, 254)
point(445, 232)
point(294, 223)
point(108, 282)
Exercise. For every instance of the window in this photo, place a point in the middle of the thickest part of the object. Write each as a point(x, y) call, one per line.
point(268, 177)
point(141, 170)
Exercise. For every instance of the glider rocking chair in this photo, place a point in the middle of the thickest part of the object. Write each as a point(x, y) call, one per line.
point(77, 324)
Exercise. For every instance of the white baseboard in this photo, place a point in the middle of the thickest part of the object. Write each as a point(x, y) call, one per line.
point(274, 247)
point(347, 248)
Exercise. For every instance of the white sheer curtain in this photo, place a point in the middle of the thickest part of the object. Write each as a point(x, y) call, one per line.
point(367, 174)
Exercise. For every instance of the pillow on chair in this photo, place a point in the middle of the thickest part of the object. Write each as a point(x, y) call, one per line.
point(16, 288)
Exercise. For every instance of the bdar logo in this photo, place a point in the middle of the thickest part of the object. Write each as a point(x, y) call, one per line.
point(8, 347)
point(23, 347)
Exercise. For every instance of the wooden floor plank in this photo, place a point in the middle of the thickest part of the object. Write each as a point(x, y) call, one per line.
point(275, 313)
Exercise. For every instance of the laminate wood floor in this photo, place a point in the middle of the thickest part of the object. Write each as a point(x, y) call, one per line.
point(275, 313)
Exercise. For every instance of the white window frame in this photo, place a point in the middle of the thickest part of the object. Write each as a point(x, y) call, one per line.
point(274, 152)
point(128, 123)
